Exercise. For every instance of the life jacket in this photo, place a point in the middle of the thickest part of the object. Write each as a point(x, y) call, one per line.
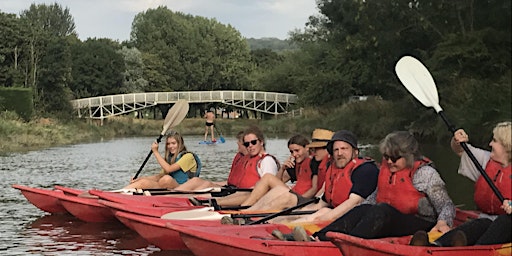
point(397, 190)
point(304, 174)
point(237, 167)
point(322, 170)
point(181, 176)
point(249, 175)
point(338, 181)
point(484, 197)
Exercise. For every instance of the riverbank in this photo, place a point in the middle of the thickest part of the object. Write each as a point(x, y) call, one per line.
point(19, 136)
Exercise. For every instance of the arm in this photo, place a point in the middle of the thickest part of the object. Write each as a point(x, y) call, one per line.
point(267, 165)
point(458, 137)
point(312, 191)
point(282, 173)
point(427, 180)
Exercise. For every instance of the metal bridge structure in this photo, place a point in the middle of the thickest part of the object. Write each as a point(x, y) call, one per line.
point(113, 105)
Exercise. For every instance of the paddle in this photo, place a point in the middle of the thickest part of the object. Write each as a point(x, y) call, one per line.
point(285, 211)
point(174, 117)
point(215, 191)
point(222, 140)
point(419, 82)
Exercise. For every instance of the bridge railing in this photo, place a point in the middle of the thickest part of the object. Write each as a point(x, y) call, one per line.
point(104, 106)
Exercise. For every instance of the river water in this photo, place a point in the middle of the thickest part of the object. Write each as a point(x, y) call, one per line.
point(109, 164)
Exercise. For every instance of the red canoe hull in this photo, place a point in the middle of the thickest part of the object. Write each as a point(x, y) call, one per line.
point(151, 211)
point(154, 230)
point(139, 200)
point(350, 245)
point(86, 209)
point(44, 199)
point(251, 240)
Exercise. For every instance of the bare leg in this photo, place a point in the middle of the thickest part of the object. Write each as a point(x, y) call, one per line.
point(211, 130)
point(277, 198)
point(196, 183)
point(167, 182)
point(264, 185)
point(144, 182)
point(205, 132)
point(233, 199)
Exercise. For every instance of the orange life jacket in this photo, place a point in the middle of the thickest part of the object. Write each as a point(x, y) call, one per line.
point(484, 197)
point(303, 173)
point(237, 167)
point(397, 190)
point(248, 175)
point(322, 170)
point(338, 181)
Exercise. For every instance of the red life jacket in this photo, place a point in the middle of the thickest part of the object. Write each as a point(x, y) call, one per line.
point(237, 167)
point(322, 170)
point(248, 175)
point(484, 197)
point(338, 181)
point(397, 190)
point(303, 173)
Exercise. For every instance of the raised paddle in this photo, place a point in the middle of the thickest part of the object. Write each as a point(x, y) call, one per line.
point(419, 82)
point(174, 117)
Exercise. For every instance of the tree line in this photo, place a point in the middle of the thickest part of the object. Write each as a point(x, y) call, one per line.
point(348, 48)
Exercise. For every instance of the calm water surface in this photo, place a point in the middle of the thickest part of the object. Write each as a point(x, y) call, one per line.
point(109, 165)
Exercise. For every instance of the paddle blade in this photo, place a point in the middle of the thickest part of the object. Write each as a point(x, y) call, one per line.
point(175, 115)
point(222, 140)
point(418, 81)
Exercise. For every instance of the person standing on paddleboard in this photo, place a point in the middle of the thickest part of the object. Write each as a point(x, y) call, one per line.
point(210, 123)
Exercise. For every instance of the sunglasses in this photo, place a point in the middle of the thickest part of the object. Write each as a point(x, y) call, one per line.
point(247, 143)
point(392, 158)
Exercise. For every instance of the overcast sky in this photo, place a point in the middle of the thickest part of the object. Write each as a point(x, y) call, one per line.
point(113, 18)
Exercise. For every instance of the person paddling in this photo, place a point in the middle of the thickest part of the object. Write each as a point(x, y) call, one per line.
point(178, 165)
point(210, 124)
point(494, 225)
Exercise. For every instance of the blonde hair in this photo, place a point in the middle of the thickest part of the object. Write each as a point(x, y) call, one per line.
point(503, 134)
point(181, 147)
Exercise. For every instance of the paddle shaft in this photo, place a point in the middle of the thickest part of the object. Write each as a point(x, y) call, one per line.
point(256, 215)
point(285, 211)
point(452, 129)
point(147, 157)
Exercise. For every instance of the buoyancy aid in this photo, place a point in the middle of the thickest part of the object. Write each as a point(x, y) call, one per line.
point(397, 190)
point(249, 175)
point(182, 176)
point(237, 167)
point(304, 174)
point(322, 170)
point(338, 181)
point(484, 197)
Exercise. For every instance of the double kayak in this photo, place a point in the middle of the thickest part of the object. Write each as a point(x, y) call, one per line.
point(350, 245)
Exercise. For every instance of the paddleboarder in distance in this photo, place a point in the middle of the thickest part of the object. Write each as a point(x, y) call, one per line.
point(210, 123)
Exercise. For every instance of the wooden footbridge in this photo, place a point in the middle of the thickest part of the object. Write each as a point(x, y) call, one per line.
point(113, 105)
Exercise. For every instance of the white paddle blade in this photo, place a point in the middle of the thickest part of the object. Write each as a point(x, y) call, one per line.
point(418, 81)
point(175, 115)
point(206, 213)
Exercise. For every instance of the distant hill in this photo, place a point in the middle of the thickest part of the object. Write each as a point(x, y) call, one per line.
point(272, 43)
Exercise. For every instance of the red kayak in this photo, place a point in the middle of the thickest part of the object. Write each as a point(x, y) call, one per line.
point(258, 239)
point(154, 230)
point(249, 240)
point(46, 199)
point(86, 209)
point(140, 200)
point(350, 245)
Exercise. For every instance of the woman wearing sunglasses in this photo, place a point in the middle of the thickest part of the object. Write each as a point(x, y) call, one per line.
point(410, 196)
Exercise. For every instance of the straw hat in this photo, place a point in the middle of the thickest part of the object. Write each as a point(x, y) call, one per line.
point(320, 138)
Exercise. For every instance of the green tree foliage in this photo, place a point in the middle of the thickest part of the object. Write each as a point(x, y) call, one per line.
point(11, 44)
point(271, 43)
point(195, 53)
point(97, 68)
point(134, 71)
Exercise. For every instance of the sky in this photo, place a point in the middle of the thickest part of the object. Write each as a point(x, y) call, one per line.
point(113, 18)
